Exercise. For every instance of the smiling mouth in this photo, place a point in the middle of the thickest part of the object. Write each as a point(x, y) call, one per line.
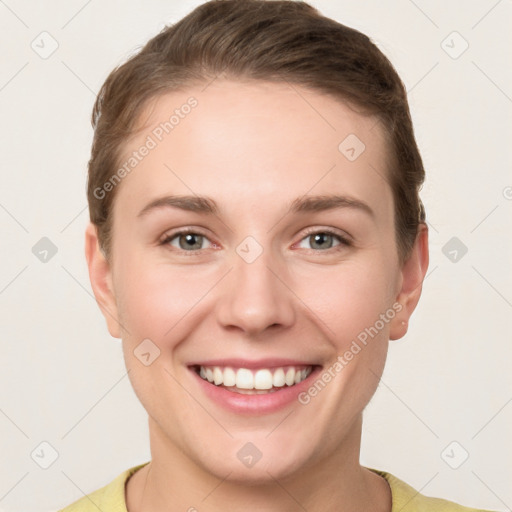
point(254, 382)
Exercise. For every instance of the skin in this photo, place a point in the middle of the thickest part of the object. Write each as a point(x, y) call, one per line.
point(254, 147)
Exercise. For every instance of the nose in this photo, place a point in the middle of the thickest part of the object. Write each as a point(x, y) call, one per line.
point(255, 296)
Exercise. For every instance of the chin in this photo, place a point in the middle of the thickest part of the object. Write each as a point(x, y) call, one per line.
point(257, 462)
point(262, 473)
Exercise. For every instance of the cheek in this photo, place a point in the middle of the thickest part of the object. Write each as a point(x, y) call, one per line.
point(349, 298)
point(159, 300)
point(154, 298)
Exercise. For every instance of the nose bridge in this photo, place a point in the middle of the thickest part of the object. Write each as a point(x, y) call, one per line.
point(255, 298)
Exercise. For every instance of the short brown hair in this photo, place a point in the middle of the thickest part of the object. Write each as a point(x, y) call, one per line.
point(261, 40)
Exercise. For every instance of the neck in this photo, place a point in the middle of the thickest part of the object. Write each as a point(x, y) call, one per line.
point(173, 481)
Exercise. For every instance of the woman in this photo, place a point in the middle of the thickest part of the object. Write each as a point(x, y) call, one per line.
point(235, 145)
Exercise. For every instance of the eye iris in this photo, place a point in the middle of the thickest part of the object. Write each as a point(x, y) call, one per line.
point(190, 241)
point(319, 238)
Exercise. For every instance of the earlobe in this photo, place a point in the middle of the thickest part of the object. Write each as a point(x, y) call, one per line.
point(100, 276)
point(412, 275)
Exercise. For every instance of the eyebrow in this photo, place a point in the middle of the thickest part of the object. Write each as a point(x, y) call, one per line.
point(305, 204)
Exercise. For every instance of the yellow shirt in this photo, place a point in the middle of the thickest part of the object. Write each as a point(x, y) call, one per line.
point(111, 498)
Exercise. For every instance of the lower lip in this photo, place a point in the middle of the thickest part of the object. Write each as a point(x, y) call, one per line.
point(255, 404)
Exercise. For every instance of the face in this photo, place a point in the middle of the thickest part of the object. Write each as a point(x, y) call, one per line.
point(278, 270)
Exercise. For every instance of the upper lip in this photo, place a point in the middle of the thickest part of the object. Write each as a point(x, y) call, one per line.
point(255, 363)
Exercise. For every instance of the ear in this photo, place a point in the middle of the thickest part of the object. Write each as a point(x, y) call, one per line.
point(100, 276)
point(412, 275)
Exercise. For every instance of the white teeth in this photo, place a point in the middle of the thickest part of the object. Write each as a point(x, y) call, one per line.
point(229, 377)
point(278, 378)
point(261, 380)
point(217, 376)
point(244, 379)
point(290, 377)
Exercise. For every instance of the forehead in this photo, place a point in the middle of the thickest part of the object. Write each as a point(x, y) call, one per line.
point(254, 143)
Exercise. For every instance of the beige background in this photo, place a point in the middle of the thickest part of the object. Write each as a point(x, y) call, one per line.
point(62, 378)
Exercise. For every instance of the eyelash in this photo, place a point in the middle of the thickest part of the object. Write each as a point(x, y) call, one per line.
point(344, 241)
